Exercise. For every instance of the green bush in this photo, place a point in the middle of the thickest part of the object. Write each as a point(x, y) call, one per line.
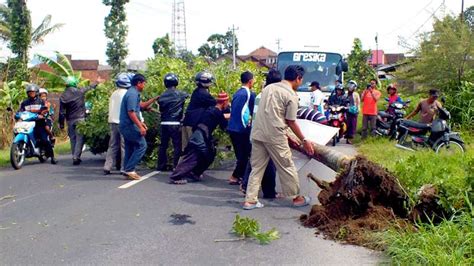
point(460, 103)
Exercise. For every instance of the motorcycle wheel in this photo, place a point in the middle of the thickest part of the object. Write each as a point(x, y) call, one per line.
point(17, 155)
point(450, 148)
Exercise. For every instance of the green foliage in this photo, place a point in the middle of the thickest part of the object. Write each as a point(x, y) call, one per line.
point(61, 69)
point(469, 17)
point(11, 95)
point(163, 46)
point(461, 106)
point(116, 31)
point(444, 57)
point(96, 127)
point(449, 243)
point(245, 227)
point(19, 22)
point(218, 44)
point(359, 69)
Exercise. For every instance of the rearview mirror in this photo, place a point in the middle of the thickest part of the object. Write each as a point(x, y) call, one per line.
point(344, 66)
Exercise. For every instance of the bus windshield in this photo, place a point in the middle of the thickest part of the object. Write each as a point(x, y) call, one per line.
point(320, 67)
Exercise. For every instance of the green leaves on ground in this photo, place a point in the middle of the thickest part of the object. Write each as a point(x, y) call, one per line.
point(246, 227)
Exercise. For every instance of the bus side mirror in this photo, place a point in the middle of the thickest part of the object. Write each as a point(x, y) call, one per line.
point(345, 66)
point(338, 70)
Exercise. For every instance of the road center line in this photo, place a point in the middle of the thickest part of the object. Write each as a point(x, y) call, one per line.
point(134, 182)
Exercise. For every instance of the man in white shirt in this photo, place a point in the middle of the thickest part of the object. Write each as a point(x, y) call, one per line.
point(116, 139)
point(317, 97)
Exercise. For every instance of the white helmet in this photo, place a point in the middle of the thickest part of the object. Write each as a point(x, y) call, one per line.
point(43, 90)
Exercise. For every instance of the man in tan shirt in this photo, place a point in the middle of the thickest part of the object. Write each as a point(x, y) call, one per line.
point(276, 113)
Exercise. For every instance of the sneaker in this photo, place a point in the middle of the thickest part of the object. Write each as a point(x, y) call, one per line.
point(76, 161)
point(133, 175)
point(54, 161)
point(106, 172)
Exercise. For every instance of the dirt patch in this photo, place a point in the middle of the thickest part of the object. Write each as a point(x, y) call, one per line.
point(364, 197)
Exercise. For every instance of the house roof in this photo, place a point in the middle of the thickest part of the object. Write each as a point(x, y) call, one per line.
point(84, 64)
point(262, 52)
point(393, 58)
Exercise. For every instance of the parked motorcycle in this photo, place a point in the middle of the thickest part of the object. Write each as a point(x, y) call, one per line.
point(337, 118)
point(387, 122)
point(25, 145)
point(437, 136)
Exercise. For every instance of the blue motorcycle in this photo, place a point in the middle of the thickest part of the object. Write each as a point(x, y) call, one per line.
point(25, 145)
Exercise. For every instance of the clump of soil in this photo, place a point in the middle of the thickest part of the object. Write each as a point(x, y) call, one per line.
point(363, 197)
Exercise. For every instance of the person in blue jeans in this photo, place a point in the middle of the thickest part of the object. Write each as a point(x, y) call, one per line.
point(132, 128)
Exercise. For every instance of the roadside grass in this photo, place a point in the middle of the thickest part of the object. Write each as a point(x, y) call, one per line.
point(60, 148)
point(452, 241)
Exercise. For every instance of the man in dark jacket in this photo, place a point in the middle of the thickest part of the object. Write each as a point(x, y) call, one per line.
point(72, 109)
point(171, 104)
point(201, 100)
point(200, 151)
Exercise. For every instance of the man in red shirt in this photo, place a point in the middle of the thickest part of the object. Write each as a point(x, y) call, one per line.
point(369, 100)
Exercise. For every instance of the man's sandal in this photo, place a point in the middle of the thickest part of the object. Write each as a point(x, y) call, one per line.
point(178, 182)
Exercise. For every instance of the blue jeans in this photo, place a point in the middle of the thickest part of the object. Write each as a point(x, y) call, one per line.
point(135, 148)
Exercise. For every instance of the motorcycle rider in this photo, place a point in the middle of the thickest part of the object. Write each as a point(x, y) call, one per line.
point(339, 98)
point(171, 104)
point(201, 99)
point(48, 115)
point(353, 111)
point(35, 105)
point(427, 108)
point(392, 97)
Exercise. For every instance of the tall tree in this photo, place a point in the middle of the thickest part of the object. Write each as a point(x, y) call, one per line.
point(444, 56)
point(116, 31)
point(359, 69)
point(469, 17)
point(19, 21)
point(218, 44)
point(163, 46)
point(15, 29)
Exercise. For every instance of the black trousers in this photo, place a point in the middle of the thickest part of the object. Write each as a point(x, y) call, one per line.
point(193, 163)
point(242, 148)
point(168, 132)
point(42, 136)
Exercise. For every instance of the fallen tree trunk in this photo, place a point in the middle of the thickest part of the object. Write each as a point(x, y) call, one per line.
point(363, 196)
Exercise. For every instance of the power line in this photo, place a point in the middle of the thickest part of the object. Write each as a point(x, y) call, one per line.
point(426, 21)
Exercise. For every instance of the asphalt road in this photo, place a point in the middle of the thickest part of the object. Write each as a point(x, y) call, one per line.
point(75, 215)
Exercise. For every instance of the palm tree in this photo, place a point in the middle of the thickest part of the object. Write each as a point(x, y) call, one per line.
point(37, 36)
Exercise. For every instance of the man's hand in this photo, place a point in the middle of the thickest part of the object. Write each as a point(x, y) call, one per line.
point(227, 116)
point(293, 141)
point(308, 147)
point(144, 126)
point(142, 131)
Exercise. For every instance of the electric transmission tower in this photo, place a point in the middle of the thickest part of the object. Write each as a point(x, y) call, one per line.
point(178, 26)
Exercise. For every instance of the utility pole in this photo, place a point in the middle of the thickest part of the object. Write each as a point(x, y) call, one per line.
point(376, 49)
point(462, 10)
point(233, 46)
point(278, 44)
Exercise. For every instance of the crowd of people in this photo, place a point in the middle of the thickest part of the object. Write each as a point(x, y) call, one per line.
point(258, 126)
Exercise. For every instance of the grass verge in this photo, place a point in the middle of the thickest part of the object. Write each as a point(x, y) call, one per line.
point(452, 241)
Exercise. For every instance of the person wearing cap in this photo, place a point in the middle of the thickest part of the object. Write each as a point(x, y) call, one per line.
point(277, 114)
point(116, 143)
point(200, 150)
point(240, 124)
point(369, 99)
point(317, 97)
point(428, 108)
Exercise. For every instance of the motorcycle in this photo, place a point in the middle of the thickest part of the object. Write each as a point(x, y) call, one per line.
point(437, 136)
point(387, 123)
point(25, 145)
point(337, 118)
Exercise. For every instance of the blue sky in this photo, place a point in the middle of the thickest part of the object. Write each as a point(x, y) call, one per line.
point(299, 24)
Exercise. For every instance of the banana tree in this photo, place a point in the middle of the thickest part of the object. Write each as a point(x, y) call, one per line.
point(61, 69)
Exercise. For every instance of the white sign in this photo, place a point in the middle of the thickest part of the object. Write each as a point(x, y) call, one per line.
point(309, 57)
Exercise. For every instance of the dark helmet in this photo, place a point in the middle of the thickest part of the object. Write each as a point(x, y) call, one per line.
point(171, 80)
point(32, 87)
point(123, 81)
point(392, 86)
point(340, 87)
point(204, 79)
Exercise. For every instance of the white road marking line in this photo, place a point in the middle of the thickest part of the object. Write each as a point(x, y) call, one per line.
point(134, 182)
